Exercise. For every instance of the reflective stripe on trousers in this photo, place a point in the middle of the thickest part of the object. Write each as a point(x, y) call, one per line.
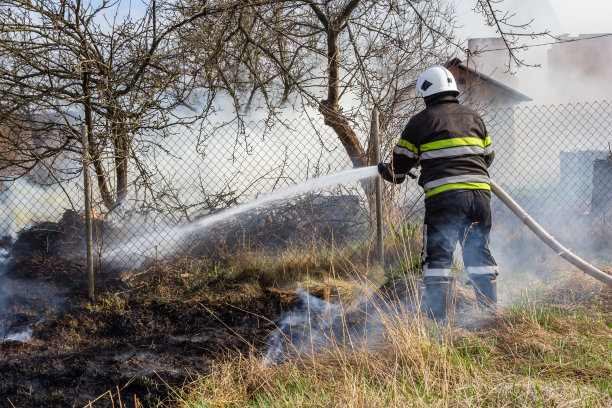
point(481, 270)
point(436, 272)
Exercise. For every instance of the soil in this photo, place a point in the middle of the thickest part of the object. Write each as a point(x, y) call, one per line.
point(140, 337)
point(140, 348)
point(138, 345)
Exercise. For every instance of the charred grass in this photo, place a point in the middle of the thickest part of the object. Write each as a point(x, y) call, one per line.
point(151, 329)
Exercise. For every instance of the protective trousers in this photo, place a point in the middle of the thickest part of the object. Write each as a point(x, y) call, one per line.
point(453, 217)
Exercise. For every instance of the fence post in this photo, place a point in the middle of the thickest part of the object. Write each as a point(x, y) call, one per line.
point(88, 229)
point(378, 188)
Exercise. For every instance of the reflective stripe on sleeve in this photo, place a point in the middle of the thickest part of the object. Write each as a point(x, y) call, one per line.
point(456, 186)
point(407, 145)
point(445, 272)
point(455, 142)
point(488, 150)
point(452, 151)
point(405, 152)
point(481, 270)
point(472, 178)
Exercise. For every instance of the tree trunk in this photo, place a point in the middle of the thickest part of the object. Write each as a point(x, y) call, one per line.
point(330, 110)
point(105, 193)
point(334, 119)
point(121, 144)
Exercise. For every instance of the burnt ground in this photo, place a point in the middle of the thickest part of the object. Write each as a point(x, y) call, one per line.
point(140, 337)
point(137, 344)
point(81, 354)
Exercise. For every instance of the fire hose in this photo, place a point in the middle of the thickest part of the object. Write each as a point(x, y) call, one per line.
point(549, 239)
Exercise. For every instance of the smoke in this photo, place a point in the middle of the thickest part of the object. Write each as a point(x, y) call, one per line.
point(22, 336)
point(315, 326)
point(23, 203)
point(367, 323)
point(521, 254)
point(24, 303)
point(309, 325)
point(7, 329)
point(583, 72)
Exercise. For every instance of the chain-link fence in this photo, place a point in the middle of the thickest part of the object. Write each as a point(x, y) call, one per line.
point(554, 160)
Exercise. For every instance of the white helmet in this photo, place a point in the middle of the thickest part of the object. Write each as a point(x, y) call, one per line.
point(436, 79)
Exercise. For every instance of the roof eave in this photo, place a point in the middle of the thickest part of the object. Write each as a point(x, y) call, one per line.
point(518, 95)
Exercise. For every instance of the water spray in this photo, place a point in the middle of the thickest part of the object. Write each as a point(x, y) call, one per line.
point(548, 239)
point(177, 233)
point(162, 244)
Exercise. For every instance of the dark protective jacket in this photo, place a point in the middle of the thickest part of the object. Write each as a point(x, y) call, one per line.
point(451, 144)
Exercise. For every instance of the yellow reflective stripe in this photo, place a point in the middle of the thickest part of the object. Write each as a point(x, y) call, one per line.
point(407, 145)
point(454, 186)
point(455, 142)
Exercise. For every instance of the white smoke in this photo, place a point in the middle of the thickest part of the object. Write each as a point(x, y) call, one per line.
point(23, 203)
point(21, 336)
point(316, 326)
point(559, 18)
point(306, 327)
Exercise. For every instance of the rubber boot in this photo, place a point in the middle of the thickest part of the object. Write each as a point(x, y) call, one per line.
point(437, 297)
point(485, 288)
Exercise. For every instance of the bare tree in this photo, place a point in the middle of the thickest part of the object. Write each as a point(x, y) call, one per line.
point(343, 57)
point(68, 63)
point(354, 53)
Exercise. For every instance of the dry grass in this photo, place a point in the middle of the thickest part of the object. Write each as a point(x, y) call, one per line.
point(327, 273)
point(550, 347)
point(530, 354)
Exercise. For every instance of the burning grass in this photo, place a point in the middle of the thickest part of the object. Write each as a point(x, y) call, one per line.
point(532, 353)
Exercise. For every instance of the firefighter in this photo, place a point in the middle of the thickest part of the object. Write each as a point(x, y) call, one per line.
point(450, 143)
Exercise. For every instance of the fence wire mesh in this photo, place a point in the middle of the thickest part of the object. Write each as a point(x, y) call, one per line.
point(554, 160)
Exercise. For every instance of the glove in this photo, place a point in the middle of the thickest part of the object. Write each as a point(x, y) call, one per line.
point(386, 172)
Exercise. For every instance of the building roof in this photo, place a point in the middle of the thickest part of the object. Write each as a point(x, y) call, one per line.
point(456, 62)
